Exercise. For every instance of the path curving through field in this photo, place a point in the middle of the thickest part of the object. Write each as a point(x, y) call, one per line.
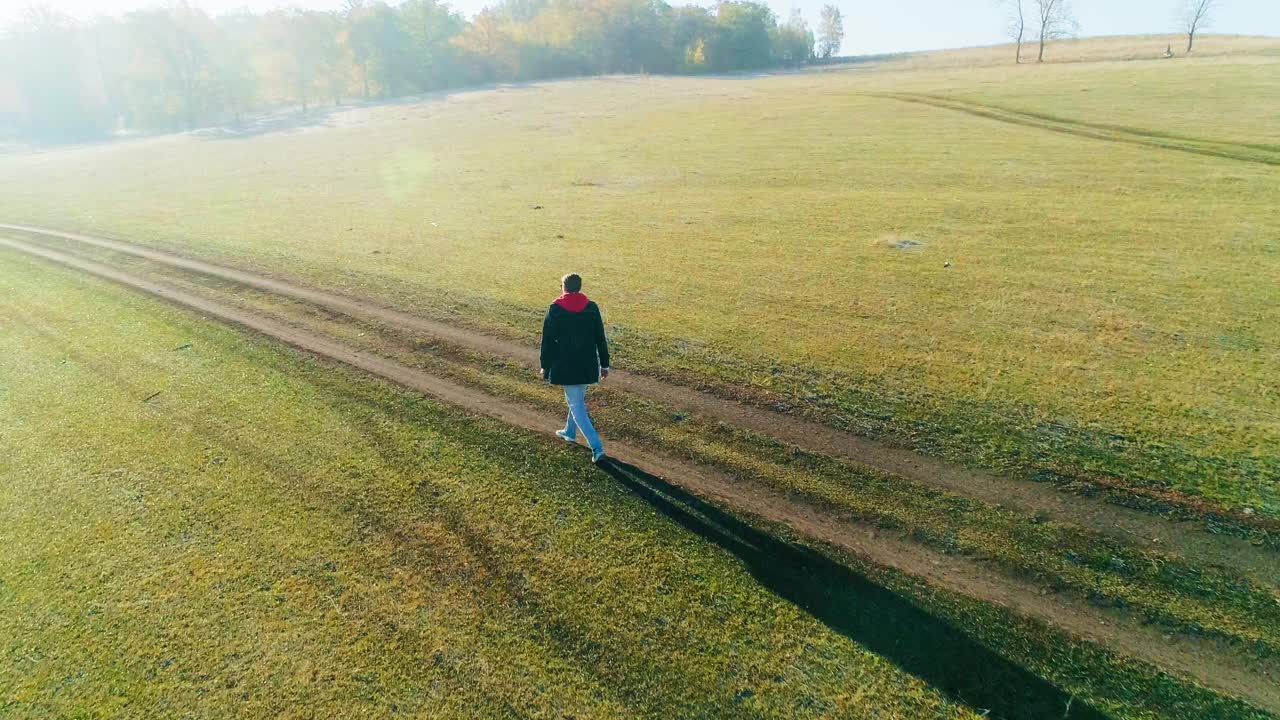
point(1188, 539)
point(1204, 662)
point(1244, 152)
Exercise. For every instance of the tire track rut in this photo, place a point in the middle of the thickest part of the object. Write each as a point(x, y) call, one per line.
point(1263, 154)
point(1184, 538)
point(1202, 661)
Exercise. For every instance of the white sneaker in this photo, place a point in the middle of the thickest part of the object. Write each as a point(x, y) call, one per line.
point(597, 456)
point(565, 437)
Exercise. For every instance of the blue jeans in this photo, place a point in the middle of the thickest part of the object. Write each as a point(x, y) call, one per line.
point(576, 397)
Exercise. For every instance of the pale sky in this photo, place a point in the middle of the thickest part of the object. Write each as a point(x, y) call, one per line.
point(870, 26)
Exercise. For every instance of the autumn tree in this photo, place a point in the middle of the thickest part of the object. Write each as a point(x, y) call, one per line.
point(690, 27)
point(489, 48)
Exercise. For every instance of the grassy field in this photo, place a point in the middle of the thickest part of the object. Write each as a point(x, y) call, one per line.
point(307, 542)
point(1225, 99)
point(1098, 49)
point(1108, 308)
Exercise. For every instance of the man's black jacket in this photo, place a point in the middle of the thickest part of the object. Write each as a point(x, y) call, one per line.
point(573, 345)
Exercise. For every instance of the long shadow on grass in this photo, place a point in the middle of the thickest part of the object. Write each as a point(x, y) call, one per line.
point(925, 646)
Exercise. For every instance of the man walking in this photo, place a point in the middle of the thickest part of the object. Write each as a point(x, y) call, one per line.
point(575, 354)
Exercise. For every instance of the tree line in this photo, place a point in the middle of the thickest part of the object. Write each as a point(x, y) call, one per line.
point(175, 67)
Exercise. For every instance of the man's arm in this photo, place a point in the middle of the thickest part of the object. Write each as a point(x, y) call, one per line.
point(548, 344)
point(602, 344)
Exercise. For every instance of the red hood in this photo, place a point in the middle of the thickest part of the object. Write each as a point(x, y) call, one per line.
point(574, 302)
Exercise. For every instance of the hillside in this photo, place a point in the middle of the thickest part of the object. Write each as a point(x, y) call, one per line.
point(942, 387)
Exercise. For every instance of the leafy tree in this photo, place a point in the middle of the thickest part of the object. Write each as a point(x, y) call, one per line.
point(636, 36)
point(560, 38)
point(741, 39)
point(830, 32)
point(792, 41)
point(620, 35)
point(380, 46)
point(491, 51)
point(107, 43)
point(521, 12)
point(171, 69)
point(431, 27)
point(234, 77)
point(690, 27)
point(310, 59)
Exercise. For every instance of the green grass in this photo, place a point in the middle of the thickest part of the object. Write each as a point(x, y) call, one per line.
point(1108, 311)
point(1221, 100)
point(301, 540)
point(1183, 596)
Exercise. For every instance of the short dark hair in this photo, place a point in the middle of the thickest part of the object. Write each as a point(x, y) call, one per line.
point(571, 282)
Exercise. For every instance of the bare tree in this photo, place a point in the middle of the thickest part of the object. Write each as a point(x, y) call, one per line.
point(1194, 17)
point(830, 32)
point(1055, 21)
point(1017, 25)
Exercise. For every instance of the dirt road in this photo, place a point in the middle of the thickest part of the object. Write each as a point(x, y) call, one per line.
point(1208, 664)
point(1188, 539)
